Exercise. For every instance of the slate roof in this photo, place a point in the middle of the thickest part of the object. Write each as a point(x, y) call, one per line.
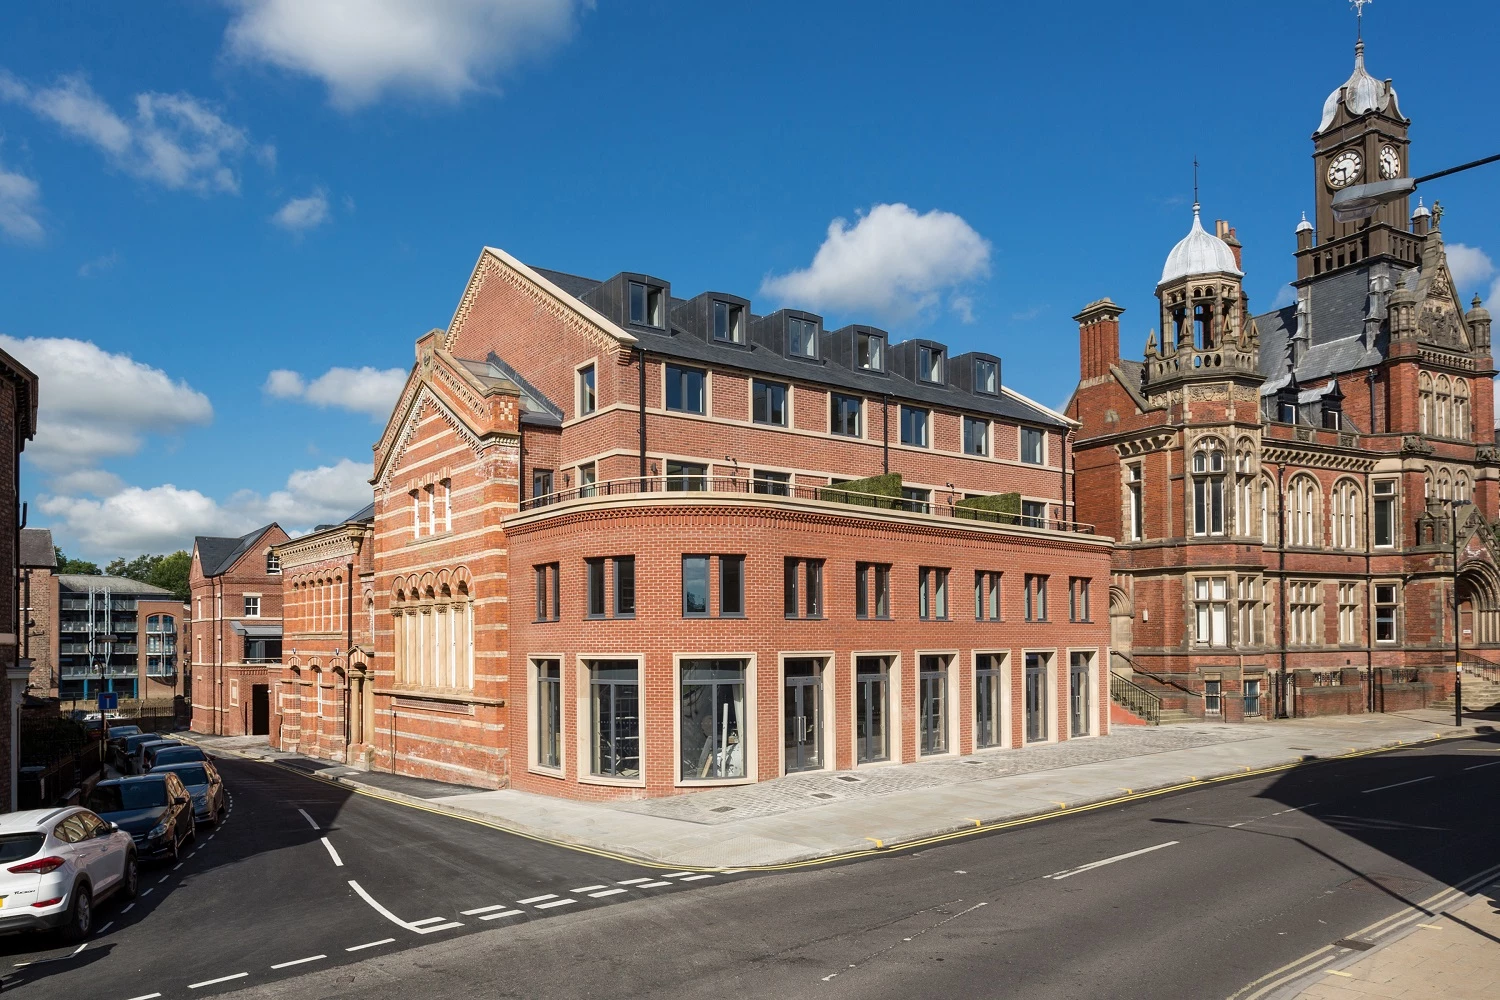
point(37, 551)
point(1338, 341)
point(216, 555)
point(82, 583)
point(758, 359)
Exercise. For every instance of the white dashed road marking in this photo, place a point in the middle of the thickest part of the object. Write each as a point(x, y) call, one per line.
point(676, 874)
point(652, 885)
point(503, 913)
point(371, 944)
point(310, 821)
point(536, 899)
point(1069, 873)
point(146, 996)
point(426, 921)
point(483, 909)
point(633, 881)
point(1399, 784)
point(555, 902)
point(338, 862)
point(591, 888)
point(300, 961)
point(105, 928)
point(215, 982)
point(606, 892)
point(694, 878)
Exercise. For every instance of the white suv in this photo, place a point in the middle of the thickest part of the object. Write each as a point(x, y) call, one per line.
point(55, 864)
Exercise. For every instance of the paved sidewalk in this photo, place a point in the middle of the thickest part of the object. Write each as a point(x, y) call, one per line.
point(831, 813)
point(1454, 955)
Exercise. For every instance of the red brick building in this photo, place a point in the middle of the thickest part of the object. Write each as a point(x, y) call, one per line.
point(321, 692)
point(235, 591)
point(18, 402)
point(1284, 486)
point(629, 544)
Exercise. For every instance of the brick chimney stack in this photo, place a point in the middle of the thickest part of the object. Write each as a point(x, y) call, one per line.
point(1098, 338)
point(1225, 232)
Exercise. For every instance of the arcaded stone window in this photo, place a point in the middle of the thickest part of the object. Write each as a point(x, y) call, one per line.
point(1208, 489)
point(434, 635)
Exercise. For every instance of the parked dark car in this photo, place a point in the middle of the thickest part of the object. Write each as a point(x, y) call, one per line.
point(203, 783)
point(125, 753)
point(120, 732)
point(146, 752)
point(176, 755)
point(155, 809)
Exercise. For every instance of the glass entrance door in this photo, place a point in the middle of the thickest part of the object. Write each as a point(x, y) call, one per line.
point(1078, 695)
point(803, 708)
point(1036, 697)
point(871, 704)
point(987, 719)
point(933, 709)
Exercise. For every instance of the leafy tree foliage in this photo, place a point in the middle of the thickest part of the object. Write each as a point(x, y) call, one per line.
point(76, 566)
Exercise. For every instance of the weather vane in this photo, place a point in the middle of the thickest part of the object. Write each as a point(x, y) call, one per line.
point(1359, 13)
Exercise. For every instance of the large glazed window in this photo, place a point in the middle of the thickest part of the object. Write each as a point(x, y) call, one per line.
point(685, 389)
point(989, 676)
point(549, 713)
point(932, 706)
point(616, 718)
point(844, 415)
point(872, 690)
point(712, 734)
point(1208, 490)
point(768, 403)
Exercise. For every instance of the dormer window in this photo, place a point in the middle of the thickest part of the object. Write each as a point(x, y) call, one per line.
point(729, 323)
point(986, 377)
point(1286, 411)
point(1332, 419)
point(645, 304)
point(869, 352)
point(801, 338)
point(930, 364)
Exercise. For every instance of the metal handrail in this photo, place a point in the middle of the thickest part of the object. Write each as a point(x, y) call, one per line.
point(1176, 687)
point(679, 484)
point(1134, 699)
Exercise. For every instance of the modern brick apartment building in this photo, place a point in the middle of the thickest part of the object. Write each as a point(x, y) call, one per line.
point(630, 544)
point(109, 633)
point(1285, 486)
point(322, 691)
point(235, 591)
point(18, 406)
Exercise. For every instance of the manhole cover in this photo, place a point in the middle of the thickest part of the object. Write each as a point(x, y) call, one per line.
point(823, 795)
point(1353, 944)
point(848, 777)
point(1386, 884)
point(971, 762)
point(722, 809)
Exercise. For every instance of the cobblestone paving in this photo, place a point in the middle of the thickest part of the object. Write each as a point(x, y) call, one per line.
point(811, 789)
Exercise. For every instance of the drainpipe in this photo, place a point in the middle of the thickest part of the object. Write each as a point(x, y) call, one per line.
point(521, 453)
point(349, 652)
point(1370, 379)
point(641, 431)
point(1064, 440)
point(1281, 584)
point(885, 434)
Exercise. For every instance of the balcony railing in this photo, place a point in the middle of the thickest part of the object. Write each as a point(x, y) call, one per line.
point(945, 505)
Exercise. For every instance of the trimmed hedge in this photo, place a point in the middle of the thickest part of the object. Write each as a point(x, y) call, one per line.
point(875, 491)
point(1001, 508)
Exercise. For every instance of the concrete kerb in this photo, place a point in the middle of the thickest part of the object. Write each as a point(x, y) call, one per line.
point(970, 826)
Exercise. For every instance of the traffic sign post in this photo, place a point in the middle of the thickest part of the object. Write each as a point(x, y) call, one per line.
point(109, 701)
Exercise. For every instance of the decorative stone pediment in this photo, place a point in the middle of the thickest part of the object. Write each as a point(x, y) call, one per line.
point(1160, 440)
point(1289, 454)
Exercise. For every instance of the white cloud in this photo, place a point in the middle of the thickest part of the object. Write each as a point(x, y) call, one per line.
point(361, 390)
point(20, 204)
point(362, 49)
point(99, 265)
point(97, 405)
point(164, 518)
point(301, 214)
point(893, 262)
point(90, 482)
point(174, 140)
point(1286, 296)
point(1470, 266)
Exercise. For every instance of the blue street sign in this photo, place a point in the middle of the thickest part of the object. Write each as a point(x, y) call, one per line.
point(109, 701)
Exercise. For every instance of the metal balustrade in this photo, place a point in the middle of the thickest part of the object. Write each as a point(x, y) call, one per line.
point(1134, 699)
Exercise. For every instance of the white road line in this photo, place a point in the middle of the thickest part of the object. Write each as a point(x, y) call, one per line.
point(371, 944)
point(497, 916)
point(80, 947)
point(439, 927)
point(1478, 766)
point(425, 921)
point(633, 881)
point(162, 879)
point(652, 885)
point(310, 821)
point(146, 996)
point(606, 892)
point(1236, 826)
point(147, 892)
point(1399, 784)
point(377, 907)
point(338, 862)
point(1109, 861)
point(555, 902)
point(178, 865)
point(591, 888)
point(536, 899)
point(482, 909)
point(675, 875)
point(128, 908)
point(215, 982)
point(300, 961)
point(694, 878)
point(101, 931)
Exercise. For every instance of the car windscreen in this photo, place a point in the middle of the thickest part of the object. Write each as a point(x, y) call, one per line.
point(18, 846)
point(177, 755)
point(192, 775)
point(133, 743)
point(120, 732)
point(131, 795)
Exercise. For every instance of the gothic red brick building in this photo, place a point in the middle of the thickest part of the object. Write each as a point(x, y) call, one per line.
point(1284, 485)
point(632, 544)
point(235, 634)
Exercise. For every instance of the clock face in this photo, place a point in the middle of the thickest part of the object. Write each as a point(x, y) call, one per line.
point(1345, 169)
point(1390, 162)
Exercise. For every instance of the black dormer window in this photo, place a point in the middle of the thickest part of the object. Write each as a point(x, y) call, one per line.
point(986, 377)
point(729, 323)
point(869, 352)
point(930, 364)
point(1286, 411)
point(1333, 419)
point(645, 304)
point(801, 338)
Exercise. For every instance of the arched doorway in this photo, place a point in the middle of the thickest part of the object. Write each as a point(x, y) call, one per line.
point(1121, 629)
point(1478, 605)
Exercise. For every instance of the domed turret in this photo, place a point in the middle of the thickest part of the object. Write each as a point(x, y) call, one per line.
point(1360, 94)
point(1199, 252)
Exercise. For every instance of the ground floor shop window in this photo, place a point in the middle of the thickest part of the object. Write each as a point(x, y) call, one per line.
point(872, 701)
point(1036, 697)
point(932, 707)
point(1079, 690)
point(712, 733)
point(989, 676)
point(549, 713)
point(802, 709)
point(615, 701)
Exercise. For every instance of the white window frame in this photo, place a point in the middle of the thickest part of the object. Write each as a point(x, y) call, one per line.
point(1211, 611)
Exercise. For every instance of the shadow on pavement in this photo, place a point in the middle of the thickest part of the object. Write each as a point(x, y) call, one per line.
point(19, 981)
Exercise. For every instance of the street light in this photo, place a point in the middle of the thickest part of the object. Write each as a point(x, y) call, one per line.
point(1362, 200)
point(1458, 676)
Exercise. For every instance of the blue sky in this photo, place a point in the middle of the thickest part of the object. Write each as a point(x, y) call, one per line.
point(197, 194)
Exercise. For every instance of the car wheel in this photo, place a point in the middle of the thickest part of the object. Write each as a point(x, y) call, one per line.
point(176, 842)
point(130, 882)
point(80, 914)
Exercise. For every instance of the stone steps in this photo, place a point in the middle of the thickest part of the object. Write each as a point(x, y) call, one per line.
point(1171, 716)
point(1480, 694)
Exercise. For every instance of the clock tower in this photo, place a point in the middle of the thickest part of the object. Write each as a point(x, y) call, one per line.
point(1362, 138)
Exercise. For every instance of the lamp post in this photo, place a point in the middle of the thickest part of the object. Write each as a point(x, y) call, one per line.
point(1362, 200)
point(104, 641)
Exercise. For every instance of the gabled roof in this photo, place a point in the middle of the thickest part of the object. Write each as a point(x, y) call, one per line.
point(217, 555)
point(37, 551)
point(81, 582)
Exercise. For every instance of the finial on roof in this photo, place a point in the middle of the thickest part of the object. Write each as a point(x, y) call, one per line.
point(1359, 19)
point(1422, 212)
point(1304, 225)
point(1195, 185)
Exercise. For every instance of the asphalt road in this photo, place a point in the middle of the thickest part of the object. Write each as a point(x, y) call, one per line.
point(1192, 895)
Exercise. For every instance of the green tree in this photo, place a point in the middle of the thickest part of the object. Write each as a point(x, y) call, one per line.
point(77, 566)
point(139, 568)
point(171, 573)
